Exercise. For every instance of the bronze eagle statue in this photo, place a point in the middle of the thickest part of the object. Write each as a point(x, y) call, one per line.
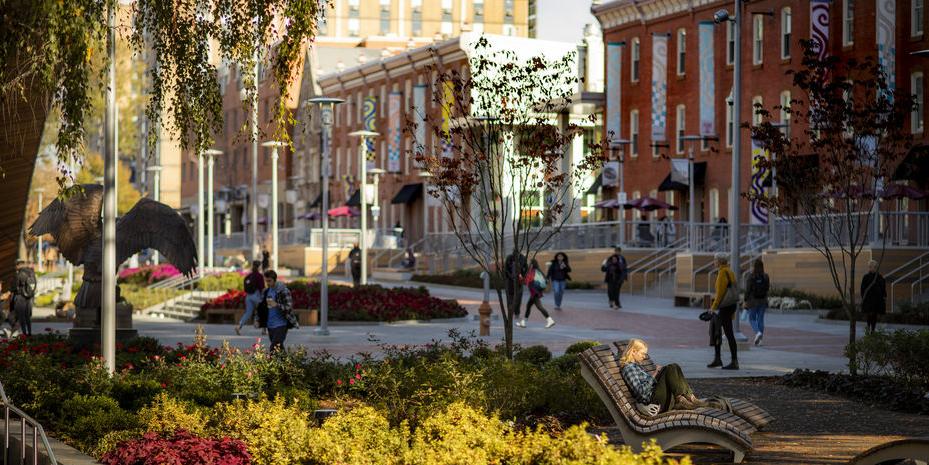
point(76, 225)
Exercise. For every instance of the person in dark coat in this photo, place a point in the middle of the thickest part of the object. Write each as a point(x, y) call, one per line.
point(873, 296)
point(514, 269)
point(354, 258)
point(615, 272)
point(558, 274)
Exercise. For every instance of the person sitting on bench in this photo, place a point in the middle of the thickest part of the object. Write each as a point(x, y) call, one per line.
point(668, 389)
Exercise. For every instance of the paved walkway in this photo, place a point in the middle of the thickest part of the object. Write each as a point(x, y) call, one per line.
point(674, 334)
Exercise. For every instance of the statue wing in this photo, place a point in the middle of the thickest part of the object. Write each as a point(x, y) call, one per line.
point(154, 225)
point(73, 222)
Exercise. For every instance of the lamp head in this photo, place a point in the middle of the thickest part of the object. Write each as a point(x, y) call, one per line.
point(721, 16)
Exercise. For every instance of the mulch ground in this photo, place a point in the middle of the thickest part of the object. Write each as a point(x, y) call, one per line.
point(809, 427)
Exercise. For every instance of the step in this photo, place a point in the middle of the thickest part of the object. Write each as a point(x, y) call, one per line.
point(391, 275)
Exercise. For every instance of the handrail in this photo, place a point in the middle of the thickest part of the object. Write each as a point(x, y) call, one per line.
point(669, 259)
point(920, 282)
point(900, 268)
point(919, 268)
point(37, 433)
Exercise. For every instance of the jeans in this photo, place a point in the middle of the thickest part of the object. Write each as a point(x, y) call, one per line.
point(670, 384)
point(725, 319)
point(613, 289)
point(251, 301)
point(277, 336)
point(756, 318)
point(535, 299)
point(558, 288)
point(23, 310)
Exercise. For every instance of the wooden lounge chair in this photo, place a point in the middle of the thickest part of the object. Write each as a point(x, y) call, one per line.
point(600, 369)
point(757, 416)
point(913, 448)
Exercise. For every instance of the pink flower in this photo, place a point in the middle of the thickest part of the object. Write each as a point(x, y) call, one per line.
point(351, 381)
point(338, 382)
point(357, 375)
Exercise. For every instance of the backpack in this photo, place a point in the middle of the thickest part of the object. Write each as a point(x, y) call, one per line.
point(760, 286)
point(251, 286)
point(25, 283)
point(539, 281)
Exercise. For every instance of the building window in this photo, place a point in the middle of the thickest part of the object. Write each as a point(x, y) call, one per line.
point(730, 42)
point(785, 113)
point(848, 22)
point(385, 17)
point(916, 15)
point(786, 28)
point(634, 69)
point(679, 120)
point(353, 27)
point(634, 133)
point(669, 198)
point(916, 87)
point(756, 104)
point(417, 17)
point(353, 7)
point(730, 116)
point(478, 14)
point(508, 11)
point(681, 50)
point(714, 204)
point(758, 39)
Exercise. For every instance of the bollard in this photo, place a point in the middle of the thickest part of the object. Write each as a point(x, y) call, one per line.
point(484, 310)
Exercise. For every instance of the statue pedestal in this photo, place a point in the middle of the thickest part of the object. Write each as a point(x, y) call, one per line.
point(86, 330)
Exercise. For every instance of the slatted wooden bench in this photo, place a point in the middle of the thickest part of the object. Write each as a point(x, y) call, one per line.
point(757, 416)
point(913, 449)
point(600, 369)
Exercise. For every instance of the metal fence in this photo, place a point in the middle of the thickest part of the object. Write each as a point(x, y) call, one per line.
point(10, 413)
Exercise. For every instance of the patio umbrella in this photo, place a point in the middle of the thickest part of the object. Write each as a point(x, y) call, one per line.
point(344, 210)
point(648, 204)
point(899, 191)
point(608, 203)
point(309, 216)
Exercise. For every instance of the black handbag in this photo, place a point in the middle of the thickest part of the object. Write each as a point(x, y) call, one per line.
point(706, 316)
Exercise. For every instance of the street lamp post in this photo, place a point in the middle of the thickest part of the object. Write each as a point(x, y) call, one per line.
point(363, 167)
point(620, 146)
point(38, 252)
point(211, 160)
point(200, 211)
point(156, 196)
point(376, 173)
point(274, 239)
point(108, 294)
point(326, 105)
point(425, 175)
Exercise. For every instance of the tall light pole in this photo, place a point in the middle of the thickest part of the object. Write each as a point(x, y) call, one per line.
point(363, 167)
point(425, 175)
point(211, 160)
point(326, 105)
point(254, 198)
point(376, 173)
point(200, 211)
point(108, 294)
point(274, 223)
point(38, 251)
point(156, 196)
point(620, 145)
point(691, 191)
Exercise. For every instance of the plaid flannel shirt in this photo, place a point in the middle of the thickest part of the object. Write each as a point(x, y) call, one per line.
point(640, 383)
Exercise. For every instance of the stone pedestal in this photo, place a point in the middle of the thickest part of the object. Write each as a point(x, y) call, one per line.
point(86, 330)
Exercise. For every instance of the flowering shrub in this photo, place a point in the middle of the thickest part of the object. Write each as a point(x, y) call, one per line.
point(366, 303)
point(148, 274)
point(275, 433)
point(182, 448)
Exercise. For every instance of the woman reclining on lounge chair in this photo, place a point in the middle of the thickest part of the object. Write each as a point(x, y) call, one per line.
point(667, 389)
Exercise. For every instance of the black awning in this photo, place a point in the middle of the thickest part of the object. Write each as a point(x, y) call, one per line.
point(699, 177)
point(595, 186)
point(915, 166)
point(317, 202)
point(354, 200)
point(408, 193)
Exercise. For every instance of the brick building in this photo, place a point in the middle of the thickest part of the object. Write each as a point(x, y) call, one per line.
point(771, 34)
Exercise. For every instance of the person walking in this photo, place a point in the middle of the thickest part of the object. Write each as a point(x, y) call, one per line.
point(724, 304)
point(253, 284)
point(265, 260)
point(615, 272)
point(354, 258)
point(757, 285)
point(281, 315)
point(24, 287)
point(873, 296)
point(514, 268)
point(558, 274)
point(535, 281)
point(667, 232)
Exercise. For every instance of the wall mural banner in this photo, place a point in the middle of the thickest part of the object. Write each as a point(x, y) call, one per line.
point(419, 113)
point(760, 175)
point(447, 105)
point(819, 26)
point(886, 42)
point(707, 80)
point(394, 132)
point(609, 177)
point(680, 170)
point(659, 87)
point(369, 117)
point(614, 69)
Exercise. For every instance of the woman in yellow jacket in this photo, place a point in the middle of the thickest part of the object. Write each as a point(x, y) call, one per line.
point(725, 302)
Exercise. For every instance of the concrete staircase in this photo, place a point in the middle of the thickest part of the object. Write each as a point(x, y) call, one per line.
point(185, 307)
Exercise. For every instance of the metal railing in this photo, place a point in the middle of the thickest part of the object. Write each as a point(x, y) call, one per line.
point(38, 433)
point(894, 229)
point(915, 270)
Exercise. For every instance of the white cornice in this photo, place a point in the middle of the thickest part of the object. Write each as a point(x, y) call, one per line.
point(625, 12)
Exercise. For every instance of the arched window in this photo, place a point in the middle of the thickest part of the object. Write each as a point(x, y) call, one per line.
point(681, 50)
point(786, 29)
point(636, 56)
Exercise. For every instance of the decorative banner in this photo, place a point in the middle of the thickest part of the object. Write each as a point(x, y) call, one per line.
point(368, 116)
point(886, 44)
point(707, 82)
point(447, 103)
point(393, 132)
point(659, 87)
point(419, 113)
point(680, 170)
point(609, 177)
point(819, 27)
point(614, 68)
point(760, 176)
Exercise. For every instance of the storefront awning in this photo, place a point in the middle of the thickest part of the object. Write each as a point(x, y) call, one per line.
point(699, 176)
point(408, 194)
point(914, 167)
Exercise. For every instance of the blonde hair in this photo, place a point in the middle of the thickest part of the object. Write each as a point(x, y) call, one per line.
point(635, 346)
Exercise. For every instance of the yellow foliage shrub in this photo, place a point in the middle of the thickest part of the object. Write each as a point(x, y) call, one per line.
point(166, 415)
point(275, 433)
point(361, 436)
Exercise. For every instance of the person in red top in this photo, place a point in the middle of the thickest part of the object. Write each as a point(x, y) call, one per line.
point(535, 281)
point(254, 283)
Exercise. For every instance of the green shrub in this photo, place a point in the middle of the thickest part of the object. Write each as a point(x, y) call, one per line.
point(464, 278)
point(581, 346)
point(141, 297)
point(535, 355)
point(900, 354)
point(46, 300)
point(817, 301)
point(276, 434)
point(133, 391)
point(222, 282)
point(85, 420)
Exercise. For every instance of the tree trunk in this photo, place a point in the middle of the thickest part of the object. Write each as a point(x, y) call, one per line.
point(852, 320)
